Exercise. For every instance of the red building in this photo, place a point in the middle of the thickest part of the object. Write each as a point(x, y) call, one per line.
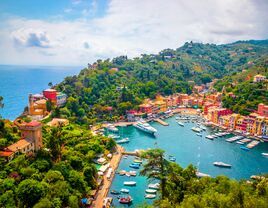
point(146, 108)
point(263, 110)
point(50, 94)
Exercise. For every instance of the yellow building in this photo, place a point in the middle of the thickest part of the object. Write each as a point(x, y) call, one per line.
point(160, 103)
point(37, 105)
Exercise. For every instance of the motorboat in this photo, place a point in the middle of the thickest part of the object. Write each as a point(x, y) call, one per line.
point(145, 127)
point(115, 192)
point(112, 128)
point(137, 161)
point(113, 136)
point(122, 172)
point(151, 191)
point(172, 159)
point(150, 196)
point(134, 166)
point(180, 123)
point(222, 164)
point(134, 163)
point(154, 186)
point(198, 134)
point(122, 141)
point(130, 183)
point(196, 129)
point(244, 148)
point(125, 200)
point(210, 137)
point(132, 173)
point(124, 191)
point(264, 154)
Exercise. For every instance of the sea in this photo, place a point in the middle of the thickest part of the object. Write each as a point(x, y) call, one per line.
point(17, 82)
point(188, 148)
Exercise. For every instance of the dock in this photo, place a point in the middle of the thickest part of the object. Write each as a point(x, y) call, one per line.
point(161, 122)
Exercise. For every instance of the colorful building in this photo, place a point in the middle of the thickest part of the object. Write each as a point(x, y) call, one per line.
point(259, 78)
point(263, 110)
point(160, 103)
point(30, 142)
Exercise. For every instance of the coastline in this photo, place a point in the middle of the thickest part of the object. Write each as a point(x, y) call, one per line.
point(103, 192)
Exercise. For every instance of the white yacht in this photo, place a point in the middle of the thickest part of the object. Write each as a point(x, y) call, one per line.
point(143, 126)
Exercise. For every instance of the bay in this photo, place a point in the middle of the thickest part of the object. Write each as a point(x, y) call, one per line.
point(16, 82)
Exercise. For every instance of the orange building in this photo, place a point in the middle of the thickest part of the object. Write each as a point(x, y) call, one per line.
point(263, 110)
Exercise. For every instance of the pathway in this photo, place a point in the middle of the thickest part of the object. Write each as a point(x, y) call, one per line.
point(102, 193)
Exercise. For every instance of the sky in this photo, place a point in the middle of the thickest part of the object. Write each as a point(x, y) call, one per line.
point(77, 32)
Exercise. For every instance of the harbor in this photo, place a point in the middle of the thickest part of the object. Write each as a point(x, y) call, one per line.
point(186, 147)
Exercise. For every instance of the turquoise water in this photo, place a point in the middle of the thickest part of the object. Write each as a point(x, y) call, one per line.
point(16, 82)
point(188, 148)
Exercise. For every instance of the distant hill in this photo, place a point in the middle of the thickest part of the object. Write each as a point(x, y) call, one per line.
point(123, 83)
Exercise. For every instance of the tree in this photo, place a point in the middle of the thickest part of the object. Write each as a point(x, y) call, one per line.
point(29, 192)
point(156, 167)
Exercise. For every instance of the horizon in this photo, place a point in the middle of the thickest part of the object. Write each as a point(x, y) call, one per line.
point(77, 32)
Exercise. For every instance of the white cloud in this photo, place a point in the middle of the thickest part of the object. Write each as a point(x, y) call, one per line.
point(131, 28)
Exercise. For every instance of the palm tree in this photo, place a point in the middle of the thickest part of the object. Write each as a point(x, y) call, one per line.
point(156, 167)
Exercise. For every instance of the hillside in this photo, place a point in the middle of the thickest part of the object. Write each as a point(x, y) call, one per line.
point(123, 83)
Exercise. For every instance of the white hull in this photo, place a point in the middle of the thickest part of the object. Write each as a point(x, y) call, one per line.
point(147, 130)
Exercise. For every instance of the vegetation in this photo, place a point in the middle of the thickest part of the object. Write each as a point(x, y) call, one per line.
point(110, 87)
point(246, 95)
point(59, 175)
point(184, 189)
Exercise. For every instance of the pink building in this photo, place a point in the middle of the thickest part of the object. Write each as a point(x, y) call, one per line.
point(263, 110)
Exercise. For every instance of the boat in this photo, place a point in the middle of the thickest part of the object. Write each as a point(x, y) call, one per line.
point(150, 196)
point(151, 191)
point(172, 159)
point(180, 123)
point(235, 138)
point(143, 126)
point(132, 173)
point(134, 163)
point(198, 134)
point(112, 128)
point(253, 144)
point(113, 136)
point(201, 175)
point(137, 161)
point(134, 166)
point(257, 177)
point(222, 164)
point(196, 129)
point(125, 200)
point(239, 142)
point(244, 148)
point(210, 137)
point(264, 154)
point(115, 192)
point(130, 183)
point(127, 174)
point(124, 191)
point(154, 186)
point(122, 172)
point(122, 141)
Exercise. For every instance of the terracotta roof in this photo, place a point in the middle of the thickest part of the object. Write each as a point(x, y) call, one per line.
point(19, 145)
point(6, 153)
point(32, 123)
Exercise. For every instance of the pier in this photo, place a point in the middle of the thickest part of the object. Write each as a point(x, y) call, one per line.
point(161, 122)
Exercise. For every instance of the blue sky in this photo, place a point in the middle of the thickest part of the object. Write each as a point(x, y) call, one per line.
point(75, 32)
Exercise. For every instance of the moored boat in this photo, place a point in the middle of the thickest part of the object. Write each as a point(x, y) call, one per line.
point(124, 191)
point(130, 183)
point(125, 200)
point(154, 186)
point(150, 196)
point(180, 123)
point(125, 140)
point(201, 175)
point(265, 154)
point(134, 166)
point(198, 134)
point(115, 192)
point(151, 191)
point(222, 164)
point(137, 161)
point(244, 148)
point(145, 127)
point(196, 129)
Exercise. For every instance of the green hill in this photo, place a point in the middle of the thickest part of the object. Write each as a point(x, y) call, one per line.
point(123, 83)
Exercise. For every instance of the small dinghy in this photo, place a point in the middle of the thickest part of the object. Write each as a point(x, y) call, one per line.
point(150, 196)
point(124, 191)
point(130, 183)
point(151, 191)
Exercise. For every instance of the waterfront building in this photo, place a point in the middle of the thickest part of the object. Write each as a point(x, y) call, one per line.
point(215, 113)
point(259, 78)
point(57, 98)
point(240, 124)
point(258, 125)
point(233, 120)
point(264, 127)
point(146, 108)
point(30, 142)
point(263, 110)
point(160, 103)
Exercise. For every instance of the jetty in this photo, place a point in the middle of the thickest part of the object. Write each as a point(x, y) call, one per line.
point(161, 122)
